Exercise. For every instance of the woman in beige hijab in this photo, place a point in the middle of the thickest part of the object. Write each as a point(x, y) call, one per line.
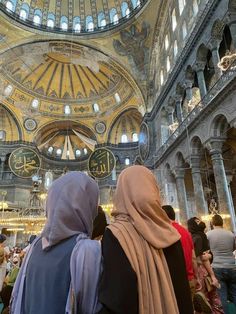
point(144, 270)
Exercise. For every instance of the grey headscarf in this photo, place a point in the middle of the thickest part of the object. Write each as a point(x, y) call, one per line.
point(71, 208)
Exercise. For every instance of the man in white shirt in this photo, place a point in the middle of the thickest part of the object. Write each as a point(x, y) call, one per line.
point(222, 245)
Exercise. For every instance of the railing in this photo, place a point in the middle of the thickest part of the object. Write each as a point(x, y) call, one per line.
point(83, 31)
point(223, 81)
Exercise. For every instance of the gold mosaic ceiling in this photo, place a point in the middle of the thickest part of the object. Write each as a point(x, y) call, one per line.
point(59, 73)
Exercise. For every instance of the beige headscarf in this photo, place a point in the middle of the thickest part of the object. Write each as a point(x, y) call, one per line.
point(143, 230)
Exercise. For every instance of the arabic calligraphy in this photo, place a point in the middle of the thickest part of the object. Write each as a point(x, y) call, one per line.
point(101, 163)
point(24, 162)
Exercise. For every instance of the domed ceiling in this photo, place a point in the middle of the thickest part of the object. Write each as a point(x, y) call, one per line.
point(79, 16)
point(62, 73)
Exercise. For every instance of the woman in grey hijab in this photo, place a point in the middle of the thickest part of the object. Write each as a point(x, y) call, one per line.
point(61, 270)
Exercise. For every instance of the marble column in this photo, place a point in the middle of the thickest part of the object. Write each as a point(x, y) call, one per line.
point(215, 149)
point(181, 194)
point(170, 114)
point(199, 67)
point(179, 111)
point(188, 89)
point(200, 201)
point(215, 44)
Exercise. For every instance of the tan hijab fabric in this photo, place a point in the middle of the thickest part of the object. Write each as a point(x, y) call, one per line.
point(143, 230)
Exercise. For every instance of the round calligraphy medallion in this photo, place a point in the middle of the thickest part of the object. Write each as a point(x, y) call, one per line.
point(24, 162)
point(144, 141)
point(101, 163)
point(100, 127)
point(30, 124)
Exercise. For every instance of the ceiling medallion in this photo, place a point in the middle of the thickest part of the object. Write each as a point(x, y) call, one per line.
point(100, 127)
point(30, 124)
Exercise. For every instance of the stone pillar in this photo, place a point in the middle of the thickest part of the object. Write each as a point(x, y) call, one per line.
point(200, 66)
point(188, 89)
point(170, 114)
point(215, 44)
point(2, 166)
point(179, 111)
point(200, 201)
point(225, 205)
point(181, 193)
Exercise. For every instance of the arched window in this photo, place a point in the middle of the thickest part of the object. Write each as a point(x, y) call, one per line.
point(51, 20)
point(162, 77)
point(181, 6)
point(95, 107)
point(37, 16)
point(48, 179)
point(114, 16)
point(64, 23)
point(8, 90)
point(168, 64)
point(127, 161)
point(35, 103)
point(23, 14)
point(76, 24)
point(166, 42)
point(37, 19)
point(184, 30)
point(50, 150)
point(2, 135)
point(89, 23)
point(117, 98)
point(85, 151)
point(24, 11)
point(124, 138)
point(50, 23)
point(135, 137)
point(135, 3)
point(124, 7)
point(58, 152)
point(9, 6)
point(67, 109)
point(174, 20)
point(195, 7)
point(175, 48)
point(101, 19)
point(127, 12)
point(77, 153)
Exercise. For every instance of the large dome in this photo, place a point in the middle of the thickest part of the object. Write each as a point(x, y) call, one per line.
point(78, 16)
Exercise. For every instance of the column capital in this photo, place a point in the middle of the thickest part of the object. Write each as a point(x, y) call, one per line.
point(214, 145)
point(199, 66)
point(195, 162)
point(169, 109)
point(215, 44)
point(188, 84)
point(178, 98)
point(178, 173)
point(2, 158)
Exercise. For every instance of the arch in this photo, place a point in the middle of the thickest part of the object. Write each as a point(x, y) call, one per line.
point(64, 23)
point(11, 5)
point(219, 126)
point(195, 145)
point(113, 15)
point(179, 160)
point(217, 29)
point(11, 120)
point(89, 23)
point(76, 24)
point(101, 18)
point(124, 8)
point(127, 122)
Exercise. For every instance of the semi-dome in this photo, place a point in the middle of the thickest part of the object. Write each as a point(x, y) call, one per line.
point(76, 16)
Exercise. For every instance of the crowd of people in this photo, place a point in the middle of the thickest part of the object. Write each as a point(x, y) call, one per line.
point(144, 262)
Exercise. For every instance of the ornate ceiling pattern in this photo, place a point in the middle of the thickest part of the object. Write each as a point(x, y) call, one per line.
point(78, 16)
point(60, 73)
